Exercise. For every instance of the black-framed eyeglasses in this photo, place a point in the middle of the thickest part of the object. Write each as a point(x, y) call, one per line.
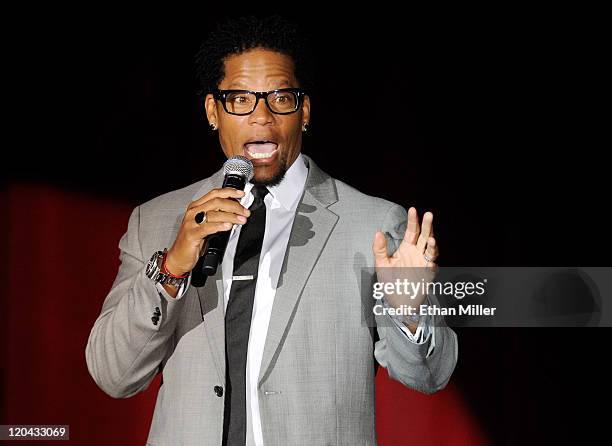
point(282, 101)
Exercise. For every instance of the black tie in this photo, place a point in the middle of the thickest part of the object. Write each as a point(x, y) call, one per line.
point(238, 320)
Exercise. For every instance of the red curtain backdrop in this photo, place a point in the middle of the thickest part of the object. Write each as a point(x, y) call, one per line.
point(63, 257)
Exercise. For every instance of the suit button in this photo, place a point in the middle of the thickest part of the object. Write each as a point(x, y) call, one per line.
point(219, 391)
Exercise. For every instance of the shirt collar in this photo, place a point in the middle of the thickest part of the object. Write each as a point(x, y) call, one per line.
point(289, 191)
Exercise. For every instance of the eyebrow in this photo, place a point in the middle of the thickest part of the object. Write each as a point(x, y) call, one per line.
point(240, 85)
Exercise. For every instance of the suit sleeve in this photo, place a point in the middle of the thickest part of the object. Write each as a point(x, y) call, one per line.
point(134, 330)
point(424, 332)
point(422, 367)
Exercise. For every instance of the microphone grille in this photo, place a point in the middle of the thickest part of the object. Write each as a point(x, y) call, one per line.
point(239, 165)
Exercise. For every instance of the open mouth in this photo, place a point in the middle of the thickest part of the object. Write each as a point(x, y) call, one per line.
point(261, 149)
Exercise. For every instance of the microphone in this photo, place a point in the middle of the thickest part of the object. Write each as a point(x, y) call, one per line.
point(238, 170)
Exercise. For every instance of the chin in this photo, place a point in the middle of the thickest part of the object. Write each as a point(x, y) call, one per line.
point(269, 175)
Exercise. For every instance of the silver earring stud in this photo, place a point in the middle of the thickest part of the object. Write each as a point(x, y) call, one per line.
point(213, 126)
point(305, 127)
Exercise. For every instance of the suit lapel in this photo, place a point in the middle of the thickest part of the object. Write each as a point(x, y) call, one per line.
point(211, 297)
point(211, 304)
point(311, 228)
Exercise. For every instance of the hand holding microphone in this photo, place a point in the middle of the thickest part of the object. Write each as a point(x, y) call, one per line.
point(221, 210)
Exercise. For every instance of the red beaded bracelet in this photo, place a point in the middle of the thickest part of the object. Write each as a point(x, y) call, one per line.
point(165, 270)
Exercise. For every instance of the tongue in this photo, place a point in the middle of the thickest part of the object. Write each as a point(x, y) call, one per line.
point(268, 147)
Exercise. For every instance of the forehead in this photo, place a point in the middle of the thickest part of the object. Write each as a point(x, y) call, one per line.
point(258, 68)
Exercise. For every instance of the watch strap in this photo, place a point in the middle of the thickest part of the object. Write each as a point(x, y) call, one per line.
point(156, 274)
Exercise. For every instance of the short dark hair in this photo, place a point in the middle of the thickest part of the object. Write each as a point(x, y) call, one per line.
point(238, 35)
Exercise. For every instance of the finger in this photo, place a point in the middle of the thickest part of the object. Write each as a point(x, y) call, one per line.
point(432, 250)
point(225, 217)
point(226, 192)
point(412, 228)
point(220, 204)
point(379, 247)
point(208, 228)
point(426, 231)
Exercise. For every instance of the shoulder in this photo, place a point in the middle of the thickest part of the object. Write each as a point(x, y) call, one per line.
point(362, 215)
point(353, 200)
point(156, 221)
point(343, 198)
point(178, 199)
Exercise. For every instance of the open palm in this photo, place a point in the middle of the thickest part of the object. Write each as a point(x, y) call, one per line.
point(413, 260)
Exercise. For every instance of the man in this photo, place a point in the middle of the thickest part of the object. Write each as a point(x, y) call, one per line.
point(275, 348)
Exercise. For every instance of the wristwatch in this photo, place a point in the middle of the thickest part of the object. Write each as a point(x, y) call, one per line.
point(155, 273)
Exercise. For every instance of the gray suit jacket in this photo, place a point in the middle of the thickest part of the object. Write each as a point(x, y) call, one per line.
point(318, 367)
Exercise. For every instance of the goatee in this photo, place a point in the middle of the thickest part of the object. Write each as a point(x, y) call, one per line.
point(273, 180)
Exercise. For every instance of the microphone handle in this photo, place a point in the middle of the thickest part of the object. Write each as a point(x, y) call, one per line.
point(216, 243)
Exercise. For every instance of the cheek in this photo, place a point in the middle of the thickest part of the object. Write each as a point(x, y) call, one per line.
point(229, 139)
point(293, 129)
point(297, 134)
point(227, 144)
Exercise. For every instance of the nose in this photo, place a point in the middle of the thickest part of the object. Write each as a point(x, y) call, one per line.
point(262, 114)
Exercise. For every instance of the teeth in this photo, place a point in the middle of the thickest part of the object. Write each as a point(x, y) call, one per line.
point(261, 155)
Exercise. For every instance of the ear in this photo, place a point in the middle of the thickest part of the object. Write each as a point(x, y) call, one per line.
point(306, 109)
point(210, 104)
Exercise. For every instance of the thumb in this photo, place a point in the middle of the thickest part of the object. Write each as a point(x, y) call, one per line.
point(379, 247)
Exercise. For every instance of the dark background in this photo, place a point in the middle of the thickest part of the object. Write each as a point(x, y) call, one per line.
point(501, 135)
